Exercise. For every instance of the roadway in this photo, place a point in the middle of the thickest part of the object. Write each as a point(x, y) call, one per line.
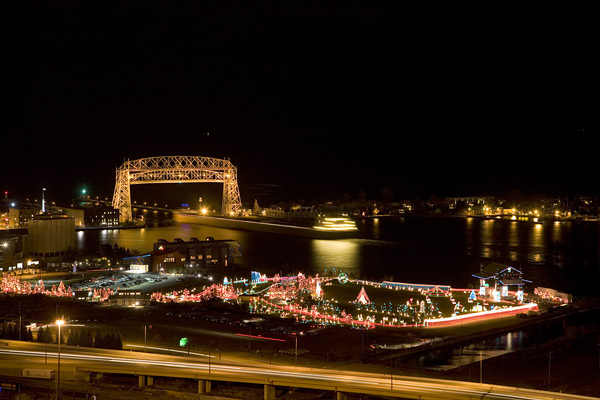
point(78, 361)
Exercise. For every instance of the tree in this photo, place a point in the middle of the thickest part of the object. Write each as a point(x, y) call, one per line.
point(11, 332)
point(387, 194)
point(73, 339)
point(40, 335)
point(44, 336)
point(98, 340)
point(108, 340)
point(118, 342)
point(26, 335)
point(86, 339)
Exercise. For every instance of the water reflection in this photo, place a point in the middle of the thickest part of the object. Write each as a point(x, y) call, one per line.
point(488, 229)
point(509, 240)
point(342, 254)
point(536, 243)
point(425, 250)
point(462, 355)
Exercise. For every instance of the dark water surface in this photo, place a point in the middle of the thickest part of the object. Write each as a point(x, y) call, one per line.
point(561, 255)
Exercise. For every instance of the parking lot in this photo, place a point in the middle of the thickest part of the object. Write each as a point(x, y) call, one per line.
point(124, 280)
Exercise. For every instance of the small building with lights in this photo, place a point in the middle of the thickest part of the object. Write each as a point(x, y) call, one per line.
point(160, 261)
point(129, 298)
point(498, 281)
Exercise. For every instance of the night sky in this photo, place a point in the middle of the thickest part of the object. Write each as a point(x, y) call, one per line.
point(446, 99)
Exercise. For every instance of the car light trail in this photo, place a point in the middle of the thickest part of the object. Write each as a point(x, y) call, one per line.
point(337, 380)
point(260, 337)
point(170, 350)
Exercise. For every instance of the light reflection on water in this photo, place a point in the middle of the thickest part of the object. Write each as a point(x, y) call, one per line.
point(462, 355)
point(511, 240)
point(426, 250)
point(336, 253)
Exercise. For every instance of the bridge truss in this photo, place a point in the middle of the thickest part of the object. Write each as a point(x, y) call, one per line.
point(176, 169)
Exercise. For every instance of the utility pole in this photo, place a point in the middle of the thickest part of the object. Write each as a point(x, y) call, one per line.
point(549, 366)
point(391, 376)
point(362, 346)
point(20, 319)
point(480, 366)
point(58, 339)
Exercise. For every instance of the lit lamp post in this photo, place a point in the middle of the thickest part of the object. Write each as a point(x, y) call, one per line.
point(58, 339)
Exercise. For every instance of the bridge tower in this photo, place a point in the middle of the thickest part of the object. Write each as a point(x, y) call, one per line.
point(176, 169)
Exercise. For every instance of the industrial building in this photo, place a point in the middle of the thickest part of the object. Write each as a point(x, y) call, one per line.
point(51, 235)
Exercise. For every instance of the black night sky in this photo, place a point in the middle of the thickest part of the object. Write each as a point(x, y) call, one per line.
point(445, 99)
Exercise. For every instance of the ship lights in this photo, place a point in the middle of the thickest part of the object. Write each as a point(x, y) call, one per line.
point(336, 224)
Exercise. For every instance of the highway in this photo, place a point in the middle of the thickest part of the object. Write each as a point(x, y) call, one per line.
point(78, 361)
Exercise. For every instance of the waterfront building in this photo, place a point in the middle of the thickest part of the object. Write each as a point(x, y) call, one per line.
point(180, 256)
point(51, 235)
point(168, 261)
point(93, 216)
point(475, 205)
point(471, 200)
point(206, 253)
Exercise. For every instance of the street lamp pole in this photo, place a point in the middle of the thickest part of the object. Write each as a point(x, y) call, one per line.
point(58, 339)
point(20, 321)
point(481, 367)
point(549, 365)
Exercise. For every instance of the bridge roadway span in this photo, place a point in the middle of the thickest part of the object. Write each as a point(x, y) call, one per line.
point(77, 363)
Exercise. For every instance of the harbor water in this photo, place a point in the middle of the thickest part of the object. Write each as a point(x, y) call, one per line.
point(434, 250)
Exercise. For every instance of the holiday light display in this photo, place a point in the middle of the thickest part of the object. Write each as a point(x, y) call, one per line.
point(303, 297)
point(13, 284)
point(495, 313)
point(287, 297)
point(362, 297)
point(225, 292)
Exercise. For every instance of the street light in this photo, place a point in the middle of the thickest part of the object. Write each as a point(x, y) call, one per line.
point(480, 366)
point(59, 322)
